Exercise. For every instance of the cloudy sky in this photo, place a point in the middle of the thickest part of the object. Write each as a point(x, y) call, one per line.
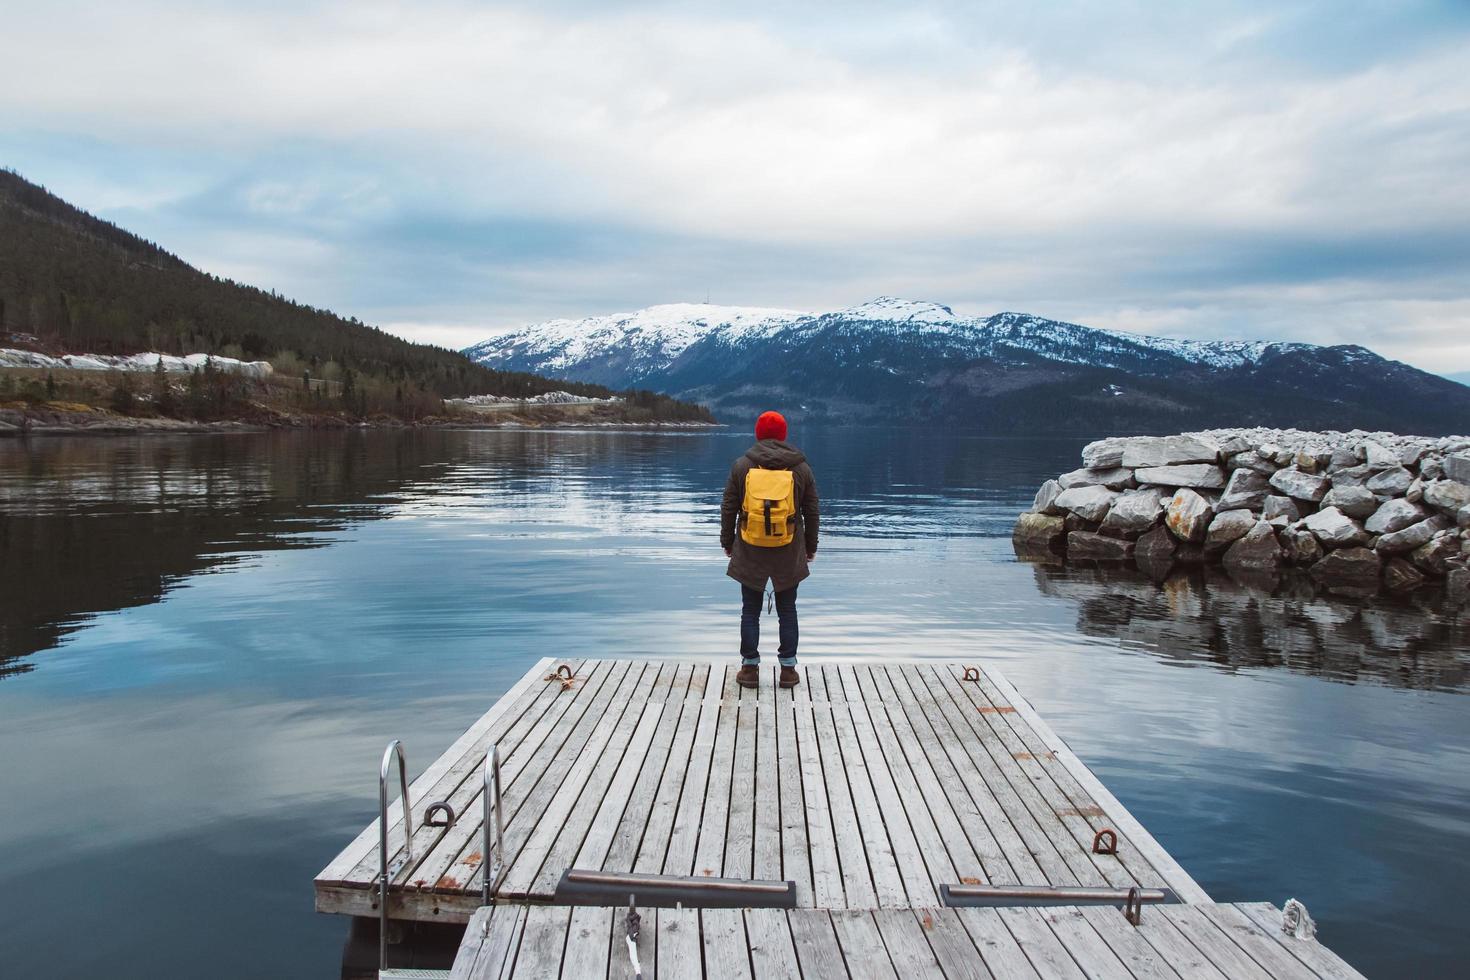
point(447, 170)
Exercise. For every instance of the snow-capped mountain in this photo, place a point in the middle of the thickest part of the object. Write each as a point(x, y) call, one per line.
point(910, 360)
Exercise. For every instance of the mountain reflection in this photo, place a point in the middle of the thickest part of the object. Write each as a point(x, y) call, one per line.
point(1202, 616)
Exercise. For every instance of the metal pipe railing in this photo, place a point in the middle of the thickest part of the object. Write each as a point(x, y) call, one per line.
point(493, 806)
point(395, 748)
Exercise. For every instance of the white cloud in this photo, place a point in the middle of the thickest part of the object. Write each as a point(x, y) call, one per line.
point(1015, 159)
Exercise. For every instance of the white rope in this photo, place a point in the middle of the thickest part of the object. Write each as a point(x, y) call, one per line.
point(1296, 922)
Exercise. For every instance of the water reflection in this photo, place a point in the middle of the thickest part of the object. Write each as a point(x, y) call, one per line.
point(1203, 616)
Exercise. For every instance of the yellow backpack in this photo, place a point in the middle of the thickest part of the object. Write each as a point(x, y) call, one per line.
point(769, 511)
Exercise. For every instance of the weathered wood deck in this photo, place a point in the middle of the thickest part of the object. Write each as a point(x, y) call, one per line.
point(1172, 942)
point(869, 785)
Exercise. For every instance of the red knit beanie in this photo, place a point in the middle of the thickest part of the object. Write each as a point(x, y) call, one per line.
point(770, 425)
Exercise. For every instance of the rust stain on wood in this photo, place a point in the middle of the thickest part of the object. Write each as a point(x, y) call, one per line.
point(1030, 756)
point(928, 922)
point(969, 880)
point(446, 882)
point(471, 858)
point(1001, 709)
point(1082, 811)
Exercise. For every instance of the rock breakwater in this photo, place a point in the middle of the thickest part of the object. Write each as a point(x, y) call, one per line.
point(1358, 512)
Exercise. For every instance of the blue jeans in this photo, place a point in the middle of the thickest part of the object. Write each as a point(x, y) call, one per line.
point(750, 625)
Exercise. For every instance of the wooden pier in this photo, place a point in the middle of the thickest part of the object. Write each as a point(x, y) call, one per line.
point(869, 785)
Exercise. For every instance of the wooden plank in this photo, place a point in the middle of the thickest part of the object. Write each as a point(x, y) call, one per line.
point(887, 883)
point(1213, 944)
point(862, 945)
point(821, 840)
point(565, 790)
point(365, 845)
point(714, 824)
point(1001, 850)
point(816, 945)
point(767, 863)
point(852, 853)
point(1167, 942)
point(688, 815)
point(796, 858)
point(1002, 955)
point(615, 797)
point(471, 945)
point(953, 948)
point(1098, 959)
point(1262, 946)
point(456, 859)
point(915, 869)
point(543, 943)
point(1054, 851)
point(588, 936)
point(496, 939)
point(678, 944)
point(1264, 949)
point(726, 951)
point(654, 845)
point(1047, 954)
point(638, 814)
point(924, 793)
point(740, 826)
point(631, 735)
point(1158, 860)
point(771, 951)
point(908, 947)
point(1316, 957)
point(620, 965)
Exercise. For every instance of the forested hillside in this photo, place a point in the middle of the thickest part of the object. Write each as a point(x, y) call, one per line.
point(82, 285)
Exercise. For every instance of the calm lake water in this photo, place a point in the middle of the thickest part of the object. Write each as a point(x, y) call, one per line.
point(205, 643)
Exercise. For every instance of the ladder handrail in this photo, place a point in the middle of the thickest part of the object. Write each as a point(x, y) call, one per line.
point(497, 847)
point(395, 748)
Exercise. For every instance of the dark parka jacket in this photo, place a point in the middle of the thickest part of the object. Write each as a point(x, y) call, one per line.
point(784, 566)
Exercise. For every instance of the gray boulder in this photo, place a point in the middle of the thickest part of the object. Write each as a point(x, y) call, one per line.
point(1342, 458)
point(1448, 495)
point(1301, 546)
point(1412, 536)
point(1457, 467)
point(1039, 534)
point(1349, 568)
point(1247, 489)
point(1335, 529)
point(1390, 483)
point(1204, 476)
point(1395, 515)
point(1312, 459)
point(1251, 460)
point(1275, 506)
point(1103, 454)
point(1089, 503)
point(1400, 576)
point(1302, 486)
point(1086, 546)
point(1353, 476)
point(1435, 556)
point(1462, 517)
point(1134, 512)
point(1168, 450)
point(1379, 456)
point(1356, 502)
point(1046, 497)
point(1431, 468)
point(1227, 528)
point(1155, 547)
point(1234, 444)
point(1114, 479)
point(1255, 553)
point(1188, 515)
point(1415, 493)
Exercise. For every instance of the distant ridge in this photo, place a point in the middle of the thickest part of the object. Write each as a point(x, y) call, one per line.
point(902, 360)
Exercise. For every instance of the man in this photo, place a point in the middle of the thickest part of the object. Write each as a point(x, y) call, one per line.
point(768, 527)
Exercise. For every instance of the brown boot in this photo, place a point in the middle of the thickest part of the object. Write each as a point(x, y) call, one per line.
point(748, 676)
point(789, 677)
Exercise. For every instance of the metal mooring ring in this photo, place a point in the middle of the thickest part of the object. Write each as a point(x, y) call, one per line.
point(1111, 847)
point(972, 674)
point(435, 809)
point(1133, 910)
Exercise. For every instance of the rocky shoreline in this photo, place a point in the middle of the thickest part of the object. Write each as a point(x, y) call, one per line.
point(1357, 512)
